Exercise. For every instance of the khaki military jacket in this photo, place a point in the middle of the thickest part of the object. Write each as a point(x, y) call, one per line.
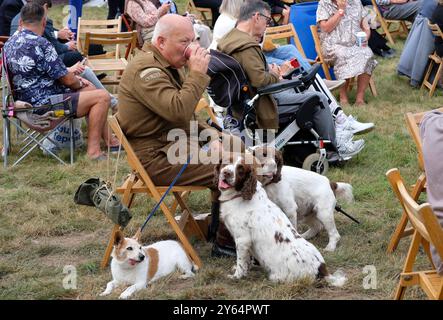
point(155, 98)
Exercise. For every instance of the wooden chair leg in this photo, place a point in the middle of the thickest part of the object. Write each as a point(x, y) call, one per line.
point(182, 237)
point(427, 248)
point(436, 78)
point(108, 251)
point(400, 292)
point(388, 33)
point(373, 87)
point(409, 263)
point(128, 195)
point(174, 205)
point(194, 227)
point(427, 75)
point(398, 233)
point(404, 27)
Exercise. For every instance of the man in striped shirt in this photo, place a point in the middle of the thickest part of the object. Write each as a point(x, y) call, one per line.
point(399, 9)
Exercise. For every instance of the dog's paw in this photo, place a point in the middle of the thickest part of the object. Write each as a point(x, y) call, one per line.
point(105, 293)
point(235, 276)
point(125, 296)
point(330, 248)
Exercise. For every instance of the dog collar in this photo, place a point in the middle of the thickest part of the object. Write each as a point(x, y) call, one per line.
point(236, 196)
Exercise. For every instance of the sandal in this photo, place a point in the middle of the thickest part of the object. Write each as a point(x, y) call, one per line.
point(114, 149)
point(100, 157)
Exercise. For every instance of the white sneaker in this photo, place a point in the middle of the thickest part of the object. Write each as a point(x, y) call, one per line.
point(333, 84)
point(355, 126)
point(342, 136)
point(350, 148)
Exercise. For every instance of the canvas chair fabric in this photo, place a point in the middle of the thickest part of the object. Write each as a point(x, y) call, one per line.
point(42, 124)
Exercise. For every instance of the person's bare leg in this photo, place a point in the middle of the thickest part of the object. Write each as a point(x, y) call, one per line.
point(344, 93)
point(286, 13)
point(95, 105)
point(362, 84)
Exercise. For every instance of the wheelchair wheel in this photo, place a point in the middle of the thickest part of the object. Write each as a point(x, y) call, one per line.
point(311, 161)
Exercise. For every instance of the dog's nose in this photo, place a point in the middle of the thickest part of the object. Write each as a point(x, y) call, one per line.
point(141, 257)
point(227, 174)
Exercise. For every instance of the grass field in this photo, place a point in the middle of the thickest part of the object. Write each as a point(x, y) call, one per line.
point(42, 231)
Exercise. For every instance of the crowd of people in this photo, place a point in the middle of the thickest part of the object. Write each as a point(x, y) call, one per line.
point(157, 94)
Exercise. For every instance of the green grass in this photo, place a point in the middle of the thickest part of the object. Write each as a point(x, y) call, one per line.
point(42, 230)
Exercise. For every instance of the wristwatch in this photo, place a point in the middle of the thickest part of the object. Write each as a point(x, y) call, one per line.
point(341, 12)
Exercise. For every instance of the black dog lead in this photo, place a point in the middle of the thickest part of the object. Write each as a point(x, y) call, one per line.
point(339, 209)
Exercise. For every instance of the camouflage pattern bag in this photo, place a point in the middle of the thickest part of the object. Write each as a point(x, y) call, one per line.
point(94, 192)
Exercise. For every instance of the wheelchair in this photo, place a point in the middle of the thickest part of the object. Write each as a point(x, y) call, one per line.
point(300, 144)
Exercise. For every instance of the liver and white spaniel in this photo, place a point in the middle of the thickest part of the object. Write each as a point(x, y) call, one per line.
point(303, 195)
point(261, 229)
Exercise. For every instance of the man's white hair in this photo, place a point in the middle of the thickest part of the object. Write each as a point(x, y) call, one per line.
point(163, 26)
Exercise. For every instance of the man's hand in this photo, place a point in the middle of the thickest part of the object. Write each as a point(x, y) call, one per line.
point(65, 34)
point(164, 9)
point(274, 69)
point(341, 4)
point(77, 68)
point(72, 45)
point(198, 59)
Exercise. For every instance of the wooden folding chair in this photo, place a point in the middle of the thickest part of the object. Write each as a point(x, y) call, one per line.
point(116, 63)
point(96, 26)
point(434, 60)
point(326, 66)
point(402, 28)
point(203, 14)
point(3, 39)
point(139, 181)
point(286, 32)
point(427, 230)
point(204, 105)
point(413, 121)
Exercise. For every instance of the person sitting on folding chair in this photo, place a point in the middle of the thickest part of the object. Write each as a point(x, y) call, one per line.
point(39, 77)
point(431, 132)
point(399, 9)
point(242, 43)
point(156, 97)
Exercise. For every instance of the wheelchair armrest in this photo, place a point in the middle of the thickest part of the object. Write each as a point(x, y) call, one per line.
point(310, 76)
point(280, 86)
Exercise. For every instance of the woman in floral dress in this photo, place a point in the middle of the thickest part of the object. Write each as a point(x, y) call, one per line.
point(339, 21)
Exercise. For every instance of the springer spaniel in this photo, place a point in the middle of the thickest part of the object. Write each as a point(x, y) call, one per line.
point(260, 229)
point(301, 194)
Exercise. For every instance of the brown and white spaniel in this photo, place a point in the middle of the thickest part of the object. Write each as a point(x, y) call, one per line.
point(261, 229)
point(303, 195)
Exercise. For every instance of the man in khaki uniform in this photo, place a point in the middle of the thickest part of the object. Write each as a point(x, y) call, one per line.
point(156, 96)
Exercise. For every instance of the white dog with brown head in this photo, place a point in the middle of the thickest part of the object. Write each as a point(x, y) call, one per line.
point(139, 266)
point(303, 195)
point(261, 229)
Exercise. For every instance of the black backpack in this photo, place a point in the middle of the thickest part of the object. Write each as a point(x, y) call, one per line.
point(228, 86)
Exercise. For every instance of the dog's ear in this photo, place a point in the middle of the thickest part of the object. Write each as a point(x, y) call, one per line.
point(118, 238)
point(216, 175)
point(279, 161)
point(246, 181)
point(137, 236)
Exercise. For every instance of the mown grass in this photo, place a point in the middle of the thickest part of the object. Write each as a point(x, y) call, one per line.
point(42, 230)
